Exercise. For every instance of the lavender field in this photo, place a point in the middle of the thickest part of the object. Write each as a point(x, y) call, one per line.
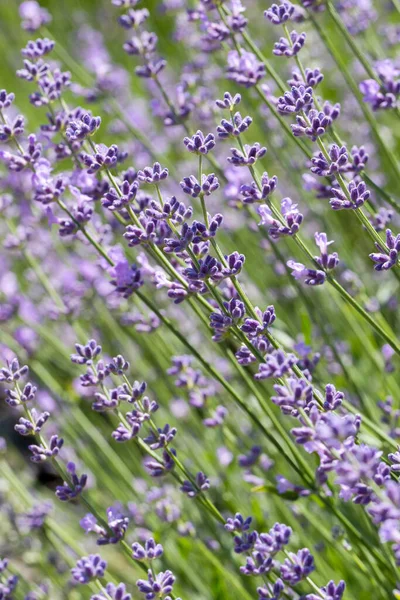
point(199, 300)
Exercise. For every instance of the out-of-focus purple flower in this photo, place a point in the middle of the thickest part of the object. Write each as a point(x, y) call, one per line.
point(33, 15)
point(244, 69)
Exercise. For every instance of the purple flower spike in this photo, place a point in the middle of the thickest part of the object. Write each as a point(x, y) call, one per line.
point(244, 69)
point(37, 48)
point(338, 162)
point(317, 122)
point(386, 260)
point(247, 158)
point(325, 260)
point(299, 98)
point(113, 592)
point(252, 194)
point(199, 143)
point(149, 551)
point(358, 193)
point(104, 158)
point(276, 365)
point(89, 567)
point(12, 130)
point(6, 99)
point(297, 566)
point(228, 101)
point(238, 523)
point(279, 14)
point(153, 175)
point(312, 79)
point(86, 354)
point(42, 453)
point(80, 129)
point(264, 593)
point(235, 127)
point(33, 15)
point(309, 276)
point(73, 488)
point(156, 586)
point(286, 48)
point(201, 484)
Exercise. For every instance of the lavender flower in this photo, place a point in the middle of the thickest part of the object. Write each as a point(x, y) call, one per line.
point(292, 218)
point(297, 566)
point(89, 567)
point(153, 175)
point(229, 101)
point(104, 158)
point(201, 484)
point(209, 184)
point(292, 48)
point(244, 69)
point(249, 157)
point(42, 453)
point(279, 14)
point(298, 99)
point(200, 144)
point(235, 127)
point(72, 488)
point(308, 276)
point(33, 15)
point(150, 551)
point(115, 592)
point(80, 129)
point(156, 586)
point(338, 162)
point(355, 197)
point(387, 260)
point(317, 122)
point(253, 194)
point(276, 364)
